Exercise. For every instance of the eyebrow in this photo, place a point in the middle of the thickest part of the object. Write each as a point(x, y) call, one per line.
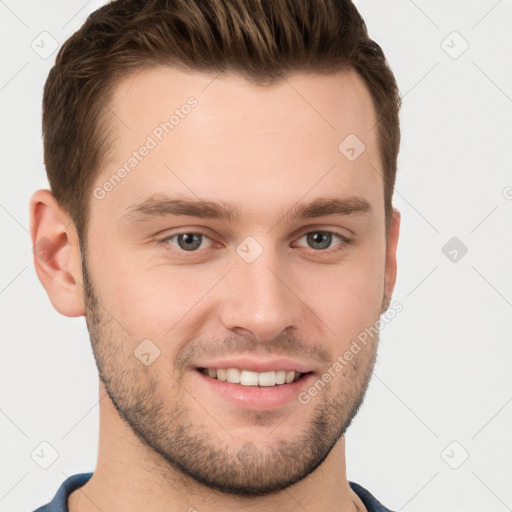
point(162, 206)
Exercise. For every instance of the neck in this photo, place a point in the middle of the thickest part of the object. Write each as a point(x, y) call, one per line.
point(129, 477)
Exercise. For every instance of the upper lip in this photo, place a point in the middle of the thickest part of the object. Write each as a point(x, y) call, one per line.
point(258, 365)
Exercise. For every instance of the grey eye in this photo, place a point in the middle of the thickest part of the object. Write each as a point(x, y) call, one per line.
point(319, 239)
point(189, 241)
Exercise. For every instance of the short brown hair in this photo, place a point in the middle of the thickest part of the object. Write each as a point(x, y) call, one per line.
point(261, 40)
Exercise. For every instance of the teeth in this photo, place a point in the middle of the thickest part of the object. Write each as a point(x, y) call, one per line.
point(233, 375)
point(280, 377)
point(249, 378)
point(267, 379)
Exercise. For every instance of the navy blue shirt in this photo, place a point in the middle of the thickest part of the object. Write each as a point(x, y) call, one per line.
point(60, 500)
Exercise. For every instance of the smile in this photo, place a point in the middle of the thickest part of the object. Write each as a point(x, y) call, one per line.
point(250, 378)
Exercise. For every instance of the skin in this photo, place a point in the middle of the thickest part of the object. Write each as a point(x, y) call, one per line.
point(167, 441)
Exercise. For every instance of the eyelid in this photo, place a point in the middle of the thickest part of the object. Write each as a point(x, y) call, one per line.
point(344, 240)
point(195, 231)
point(319, 229)
point(308, 229)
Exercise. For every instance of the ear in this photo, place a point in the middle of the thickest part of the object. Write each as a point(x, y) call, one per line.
point(57, 258)
point(391, 265)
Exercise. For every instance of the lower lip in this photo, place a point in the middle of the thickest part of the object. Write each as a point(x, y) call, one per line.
point(258, 398)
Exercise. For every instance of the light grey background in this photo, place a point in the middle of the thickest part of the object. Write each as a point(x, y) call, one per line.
point(442, 385)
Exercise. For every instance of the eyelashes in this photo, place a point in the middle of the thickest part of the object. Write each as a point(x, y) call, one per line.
point(332, 234)
point(194, 241)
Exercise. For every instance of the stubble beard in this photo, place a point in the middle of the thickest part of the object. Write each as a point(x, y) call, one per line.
point(238, 468)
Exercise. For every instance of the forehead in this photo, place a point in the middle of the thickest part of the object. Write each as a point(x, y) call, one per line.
point(327, 103)
point(217, 135)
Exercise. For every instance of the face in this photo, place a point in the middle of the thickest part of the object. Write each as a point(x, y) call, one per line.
point(241, 244)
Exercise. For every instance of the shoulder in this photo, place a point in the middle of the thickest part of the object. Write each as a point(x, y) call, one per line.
point(370, 502)
point(59, 502)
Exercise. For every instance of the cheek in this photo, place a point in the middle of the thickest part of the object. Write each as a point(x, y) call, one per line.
point(348, 296)
point(150, 298)
point(156, 300)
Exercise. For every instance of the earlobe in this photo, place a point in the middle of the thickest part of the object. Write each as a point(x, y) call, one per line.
point(391, 263)
point(56, 249)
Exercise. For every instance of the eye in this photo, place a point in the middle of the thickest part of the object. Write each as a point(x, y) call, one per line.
point(321, 240)
point(193, 241)
point(189, 242)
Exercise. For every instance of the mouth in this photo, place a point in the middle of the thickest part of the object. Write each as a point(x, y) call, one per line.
point(251, 378)
point(257, 384)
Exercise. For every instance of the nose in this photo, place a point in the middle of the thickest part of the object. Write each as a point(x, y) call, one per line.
point(259, 299)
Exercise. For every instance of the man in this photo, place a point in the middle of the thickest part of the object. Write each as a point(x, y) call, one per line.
point(220, 212)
